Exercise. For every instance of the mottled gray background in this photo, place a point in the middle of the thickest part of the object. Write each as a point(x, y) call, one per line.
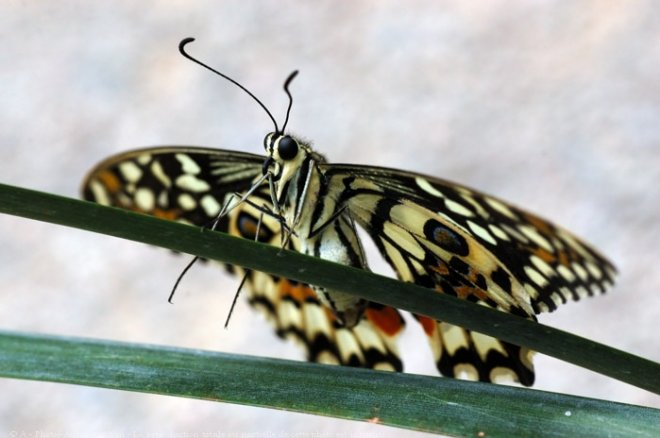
point(553, 105)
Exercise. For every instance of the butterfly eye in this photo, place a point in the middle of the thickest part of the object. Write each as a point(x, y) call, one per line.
point(287, 148)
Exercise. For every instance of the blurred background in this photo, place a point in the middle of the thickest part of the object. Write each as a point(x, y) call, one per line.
point(554, 106)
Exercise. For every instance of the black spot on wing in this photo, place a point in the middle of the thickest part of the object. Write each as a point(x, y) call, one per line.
point(459, 266)
point(374, 357)
point(266, 304)
point(318, 345)
point(525, 375)
point(480, 282)
point(381, 215)
point(502, 279)
point(247, 226)
point(353, 361)
point(445, 238)
point(448, 361)
point(484, 368)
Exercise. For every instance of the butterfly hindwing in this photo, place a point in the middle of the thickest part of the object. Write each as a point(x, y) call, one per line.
point(296, 313)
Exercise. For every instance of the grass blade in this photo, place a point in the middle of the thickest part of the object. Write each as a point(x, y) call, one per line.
point(409, 401)
point(121, 223)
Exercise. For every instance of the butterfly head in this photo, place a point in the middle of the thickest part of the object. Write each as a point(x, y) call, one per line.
point(288, 158)
point(285, 149)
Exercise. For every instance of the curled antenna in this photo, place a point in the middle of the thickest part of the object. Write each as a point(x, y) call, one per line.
point(288, 93)
point(182, 46)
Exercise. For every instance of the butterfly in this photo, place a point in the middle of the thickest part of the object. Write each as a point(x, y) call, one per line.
point(434, 233)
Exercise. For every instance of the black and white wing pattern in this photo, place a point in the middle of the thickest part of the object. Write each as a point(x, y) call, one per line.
point(191, 185)
point(462, 242)
point(434, 233)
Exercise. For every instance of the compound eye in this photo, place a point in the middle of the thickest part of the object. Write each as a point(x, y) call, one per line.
point(287, 148)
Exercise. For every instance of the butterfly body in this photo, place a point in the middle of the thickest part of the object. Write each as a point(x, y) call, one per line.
point(311, 208)
point(432, 232)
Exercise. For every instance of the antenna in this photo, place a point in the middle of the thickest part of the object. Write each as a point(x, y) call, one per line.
point(288, 93)
point(186, 41)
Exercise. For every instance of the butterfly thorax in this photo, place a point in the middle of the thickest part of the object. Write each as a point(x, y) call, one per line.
point(311, 209)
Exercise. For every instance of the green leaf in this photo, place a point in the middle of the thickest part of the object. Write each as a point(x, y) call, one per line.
point(409, 401)
point(404, 400)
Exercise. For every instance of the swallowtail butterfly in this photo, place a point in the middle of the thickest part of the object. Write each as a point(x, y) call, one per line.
point(432, 232)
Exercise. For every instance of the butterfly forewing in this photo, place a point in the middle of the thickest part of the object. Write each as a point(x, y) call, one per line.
point(550, 263)
point(177, 183)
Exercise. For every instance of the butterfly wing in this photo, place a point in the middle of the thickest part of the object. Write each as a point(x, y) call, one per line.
point(296, 313)
point(191, 185)
point(462, 242)
point(178, 183)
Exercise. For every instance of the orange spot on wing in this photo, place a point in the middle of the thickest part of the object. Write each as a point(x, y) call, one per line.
point(441, 269)
point(329, 314)
point(428, 324)
point(298, 292)
point(250, 228)
point(481, 294)
point(564, 259)
point(109, 181)
point(387, 319)
point(538, 223)
point(545, 255)
point(166, 214)
point(463, 292)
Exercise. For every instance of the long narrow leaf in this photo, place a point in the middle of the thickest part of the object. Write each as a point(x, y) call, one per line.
point(121, 223)
point(404, 400)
